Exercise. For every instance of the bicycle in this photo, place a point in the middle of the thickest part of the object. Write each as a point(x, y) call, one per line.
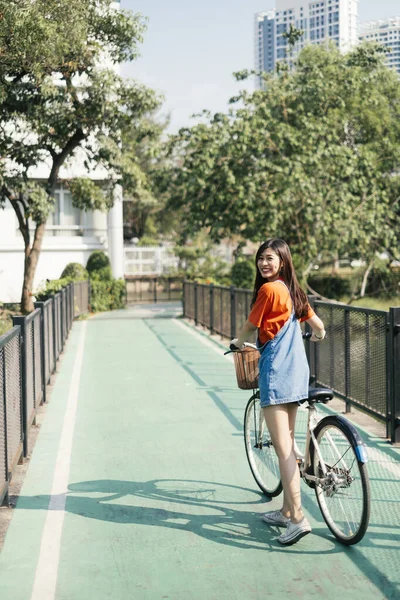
point(333, 463)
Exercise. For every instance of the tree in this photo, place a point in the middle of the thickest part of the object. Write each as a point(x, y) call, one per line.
point(314, 158)
point(142, 151)
point(60, 94)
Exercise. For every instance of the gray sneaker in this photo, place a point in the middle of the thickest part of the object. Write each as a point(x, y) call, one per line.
point(294, 532)
point(275, 517)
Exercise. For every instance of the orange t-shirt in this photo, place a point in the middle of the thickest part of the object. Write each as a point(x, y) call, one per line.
point(271, 310)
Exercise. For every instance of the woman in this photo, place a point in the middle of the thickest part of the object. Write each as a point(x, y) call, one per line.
point(278, 305)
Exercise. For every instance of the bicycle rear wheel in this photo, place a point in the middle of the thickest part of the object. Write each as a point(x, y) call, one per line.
point(343, 492)
point(260, 452)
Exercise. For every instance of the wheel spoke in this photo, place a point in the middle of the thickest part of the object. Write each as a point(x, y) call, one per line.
point(342, 494)
point(260, 451)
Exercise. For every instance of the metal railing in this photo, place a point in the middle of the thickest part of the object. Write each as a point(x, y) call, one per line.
point(28, 357)
point(11, 426)
point(150, 260)
point(360, 359)
point(153, 289)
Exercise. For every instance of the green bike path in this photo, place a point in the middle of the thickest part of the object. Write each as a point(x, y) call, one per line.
point(139, 488)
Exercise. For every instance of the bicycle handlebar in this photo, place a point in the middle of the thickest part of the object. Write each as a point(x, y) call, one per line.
point(233, 348)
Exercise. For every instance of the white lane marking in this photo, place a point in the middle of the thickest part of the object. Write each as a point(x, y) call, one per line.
point(204, 340)
point(44, 586)
point(374, 455)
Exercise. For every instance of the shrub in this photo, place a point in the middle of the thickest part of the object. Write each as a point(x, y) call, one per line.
point(148, 240)
point(96, 261)
point(75, 272)
point(50, 288)
point(103, 274)
point(243, 273)
point(331, 286)
point(107, 295)
point(383, 282)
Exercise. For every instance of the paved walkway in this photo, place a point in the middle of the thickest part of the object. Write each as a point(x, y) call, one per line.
point(139, 488)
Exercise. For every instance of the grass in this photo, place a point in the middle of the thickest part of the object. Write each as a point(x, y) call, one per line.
point(6, 316)
point(375, 303)
point(5, 325)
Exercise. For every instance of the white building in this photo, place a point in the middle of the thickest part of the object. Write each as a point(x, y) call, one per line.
point(71, 234)
point(387, 33)
point(321, 21)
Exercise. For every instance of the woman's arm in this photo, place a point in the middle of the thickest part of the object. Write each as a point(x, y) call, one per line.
point(245, 333)
point(318, 328)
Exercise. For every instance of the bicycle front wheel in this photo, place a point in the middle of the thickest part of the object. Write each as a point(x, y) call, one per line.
point(260, 452)
point(343, 490)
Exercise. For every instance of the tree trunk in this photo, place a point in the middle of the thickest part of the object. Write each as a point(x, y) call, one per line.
point(365, 279)
point(335, 265)
point(30, 264)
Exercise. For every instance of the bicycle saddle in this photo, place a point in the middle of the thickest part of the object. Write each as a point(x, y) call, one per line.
point(319, 394)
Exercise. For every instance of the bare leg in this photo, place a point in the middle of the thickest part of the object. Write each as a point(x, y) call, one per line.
point(292, 412)
point(280, 421)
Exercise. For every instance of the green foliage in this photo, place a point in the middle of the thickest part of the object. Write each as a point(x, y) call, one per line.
point(334, 287)
point(107, 295)
point(50, 288)
point(313, 158)
point(96, 261)
point(148, 240)
point(142, 152)
point(74, 272)
point(243, 273)
point(89, 195)
point(198, 263)
point(384, 282)
point(102, 274)
point(57, 89)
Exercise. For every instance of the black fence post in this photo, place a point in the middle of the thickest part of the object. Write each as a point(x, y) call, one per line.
point(55, 330)
point(311, 349)
point(40, 306)
point(196, 308)
point(347, 359)
point(4, 392)
point(233, 312)
point(211, 308)
point(394, 374)
point(21, 322)
point(183, 298)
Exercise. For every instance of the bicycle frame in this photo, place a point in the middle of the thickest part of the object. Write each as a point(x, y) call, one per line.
point(305, 461)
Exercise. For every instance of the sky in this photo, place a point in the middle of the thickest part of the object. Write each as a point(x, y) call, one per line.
point(191, 48)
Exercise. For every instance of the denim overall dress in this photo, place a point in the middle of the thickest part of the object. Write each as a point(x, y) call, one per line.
point(284, 371)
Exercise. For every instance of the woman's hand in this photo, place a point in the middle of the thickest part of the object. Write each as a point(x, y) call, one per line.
point(235, 342)
point(318, 336)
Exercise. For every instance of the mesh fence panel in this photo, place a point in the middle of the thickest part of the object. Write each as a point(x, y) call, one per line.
point(189, 300)
point(13, 400)
point(222, 311)
point(203, 305)
point(80, 297)
point(57, 323)
point(3, 462)
point(352, 360)
point(242, 300)
point(367, 364)
point(38, 358)
point(64, 312)
point(29, 374)
point(49, 339)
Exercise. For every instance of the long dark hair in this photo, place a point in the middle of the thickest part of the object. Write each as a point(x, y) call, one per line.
point(298, 296)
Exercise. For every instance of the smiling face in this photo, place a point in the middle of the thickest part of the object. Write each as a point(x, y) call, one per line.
point(269, 264)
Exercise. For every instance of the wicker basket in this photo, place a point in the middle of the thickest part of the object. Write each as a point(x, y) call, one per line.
point(246, 367)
